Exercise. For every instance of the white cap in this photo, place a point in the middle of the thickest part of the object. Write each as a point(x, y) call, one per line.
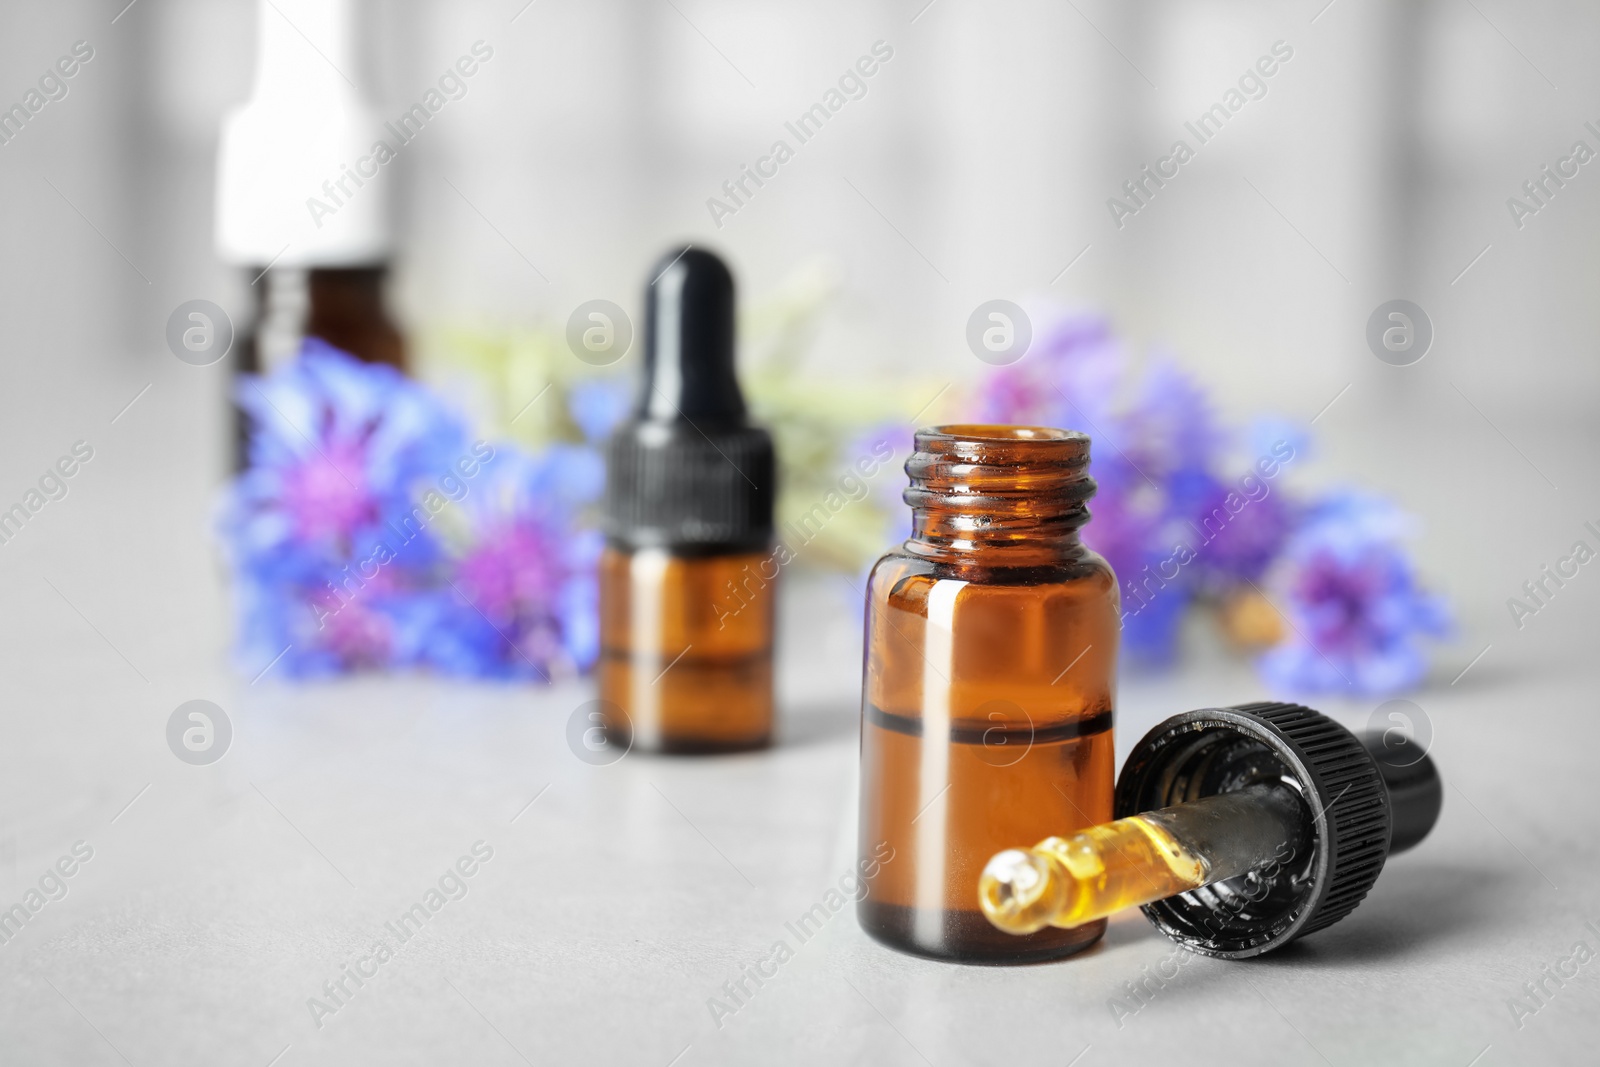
point(283, 153)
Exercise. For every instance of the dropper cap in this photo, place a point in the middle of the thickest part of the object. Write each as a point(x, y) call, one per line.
point(687, 471)
point(1359, 810)
point(1237, 831)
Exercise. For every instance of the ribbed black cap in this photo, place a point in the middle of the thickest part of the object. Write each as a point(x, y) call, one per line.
point(1221, 750)
point(687, 471)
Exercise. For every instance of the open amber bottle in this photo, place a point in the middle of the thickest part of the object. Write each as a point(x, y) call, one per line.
point(991, 649)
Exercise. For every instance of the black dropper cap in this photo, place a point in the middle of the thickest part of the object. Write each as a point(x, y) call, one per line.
point(687, 472)
point(1360, 808)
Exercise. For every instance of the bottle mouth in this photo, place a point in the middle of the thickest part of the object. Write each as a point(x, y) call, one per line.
point(992, 437)
point(996, 458)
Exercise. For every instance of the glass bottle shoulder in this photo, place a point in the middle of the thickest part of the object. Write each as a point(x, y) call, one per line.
point(1083, 573)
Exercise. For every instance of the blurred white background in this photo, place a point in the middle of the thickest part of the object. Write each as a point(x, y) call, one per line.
point(990, 142)
point(978, 165)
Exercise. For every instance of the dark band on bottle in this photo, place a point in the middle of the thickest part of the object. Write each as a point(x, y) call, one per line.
point(978, 732)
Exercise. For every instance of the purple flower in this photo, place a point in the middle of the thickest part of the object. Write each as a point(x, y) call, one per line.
point(337, 448)
point(326, 530)
point(1175, 523)
point(1242, 531)
point(1244, 523)
point(370, 533)
point(1168, 430)
point(522, 597)
point(320, 501)
point(1357, 612)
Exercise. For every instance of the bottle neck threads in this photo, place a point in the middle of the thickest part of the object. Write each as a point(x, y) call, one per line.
point(998, 495)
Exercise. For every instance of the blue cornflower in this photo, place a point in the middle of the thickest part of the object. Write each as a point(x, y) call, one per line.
point(1357, 610)
point(522, 598)
point(328, 528)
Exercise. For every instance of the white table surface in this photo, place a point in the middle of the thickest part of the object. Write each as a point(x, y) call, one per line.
point(224, 896)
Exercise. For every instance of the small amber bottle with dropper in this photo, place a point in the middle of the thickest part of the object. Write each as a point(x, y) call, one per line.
point(687, 578)
point(991, 648)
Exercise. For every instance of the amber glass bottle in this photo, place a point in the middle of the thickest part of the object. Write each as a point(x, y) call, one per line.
point(688, 664)
point(687, 576)
point(991, 650)
point(340, 305)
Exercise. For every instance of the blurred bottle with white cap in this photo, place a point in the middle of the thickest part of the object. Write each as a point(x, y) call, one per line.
point(300, 203)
